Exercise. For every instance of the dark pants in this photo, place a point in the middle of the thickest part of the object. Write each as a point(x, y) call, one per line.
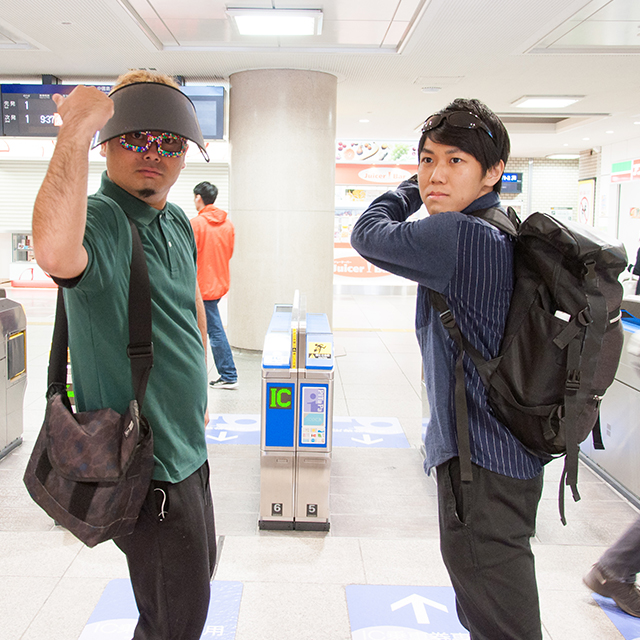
point(171, 556)
point(485, 531)
point(622, 559)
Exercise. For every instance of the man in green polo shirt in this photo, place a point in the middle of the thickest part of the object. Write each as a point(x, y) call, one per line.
point(86, 247)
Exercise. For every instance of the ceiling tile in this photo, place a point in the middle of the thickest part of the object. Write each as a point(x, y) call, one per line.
point(394, 34)
point(594, 33)
point(619, 10)
point(407, 9)
point(355, 9)
point(363, 32)
point(203, 9)
point(5, 40)
point(206, 33)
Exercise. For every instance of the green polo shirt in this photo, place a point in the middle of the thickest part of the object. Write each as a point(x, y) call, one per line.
point(97, 308)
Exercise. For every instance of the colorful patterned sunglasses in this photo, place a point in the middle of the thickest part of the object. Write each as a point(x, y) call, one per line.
point(169, 145)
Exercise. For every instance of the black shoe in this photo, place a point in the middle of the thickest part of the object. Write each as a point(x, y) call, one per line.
point(223, 384)
point(625, 594)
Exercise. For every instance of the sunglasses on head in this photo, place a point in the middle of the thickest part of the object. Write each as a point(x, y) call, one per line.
point(459, 119)
point(169, 145)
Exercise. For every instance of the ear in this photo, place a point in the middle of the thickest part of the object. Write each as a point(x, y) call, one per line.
point(103, 149)
point(494, 174)
point(184, 158)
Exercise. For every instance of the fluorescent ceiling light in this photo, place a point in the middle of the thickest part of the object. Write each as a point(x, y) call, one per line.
point(564, 156)
point(545, 102)
point(277, 22)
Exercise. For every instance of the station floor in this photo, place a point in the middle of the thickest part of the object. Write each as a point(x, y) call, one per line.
point(384, 528)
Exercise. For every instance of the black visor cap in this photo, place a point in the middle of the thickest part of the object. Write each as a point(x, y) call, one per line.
point(152, 106)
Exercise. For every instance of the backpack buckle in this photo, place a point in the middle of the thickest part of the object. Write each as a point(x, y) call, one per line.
point(140, 350)
point(447, 319)
point(573, 380)
point(584, 317)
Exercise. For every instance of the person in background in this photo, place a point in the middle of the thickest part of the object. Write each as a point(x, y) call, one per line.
point(144, 126)
point(487, 516)
point(215, 237)
point(614, 575)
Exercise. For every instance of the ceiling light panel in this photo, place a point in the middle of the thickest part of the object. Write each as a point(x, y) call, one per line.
point(276, 22)
point(377, 26)
point(546, 102)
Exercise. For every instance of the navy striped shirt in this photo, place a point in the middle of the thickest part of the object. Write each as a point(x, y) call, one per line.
point(471, 263)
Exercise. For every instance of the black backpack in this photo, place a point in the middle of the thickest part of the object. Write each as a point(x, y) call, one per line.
point(562, 341)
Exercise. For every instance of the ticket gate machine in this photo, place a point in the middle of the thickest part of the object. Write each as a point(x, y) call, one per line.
point(296, 420)
point(619, 411)
point(13, 372)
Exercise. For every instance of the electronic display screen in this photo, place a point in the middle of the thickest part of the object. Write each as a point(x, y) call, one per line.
point(29, 110)
point(209, 104)
point(511, 183)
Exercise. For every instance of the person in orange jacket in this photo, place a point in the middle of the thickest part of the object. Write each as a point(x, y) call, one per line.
point(215, 236)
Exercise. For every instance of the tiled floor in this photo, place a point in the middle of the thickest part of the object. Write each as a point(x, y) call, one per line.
point(383, 524)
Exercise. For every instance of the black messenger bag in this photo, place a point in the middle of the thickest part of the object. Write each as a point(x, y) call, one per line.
point(91, 471)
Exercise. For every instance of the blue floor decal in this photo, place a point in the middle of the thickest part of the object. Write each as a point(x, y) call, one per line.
point(116, 614)
point(234, 428)
point(391, 612)
point(627, 625)
point(383, 433)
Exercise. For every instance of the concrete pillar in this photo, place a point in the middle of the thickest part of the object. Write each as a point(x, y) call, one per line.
point(281, 196)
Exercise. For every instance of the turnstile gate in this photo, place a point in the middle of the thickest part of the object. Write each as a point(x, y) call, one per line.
point(13, 372)
point(296, 420)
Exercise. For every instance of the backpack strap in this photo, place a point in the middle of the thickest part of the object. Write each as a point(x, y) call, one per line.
point(439, 303)
point(507, 222)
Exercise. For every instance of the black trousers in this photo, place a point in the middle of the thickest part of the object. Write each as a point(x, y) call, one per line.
point(485, 531)
point(171, 556)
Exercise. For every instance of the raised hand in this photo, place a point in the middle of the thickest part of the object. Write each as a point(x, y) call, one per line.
point(85, 111)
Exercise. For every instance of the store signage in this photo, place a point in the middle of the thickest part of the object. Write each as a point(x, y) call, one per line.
point(353, 174)
point(378, 152)
point(391, 175)
point(356, 267)
point(621, 171)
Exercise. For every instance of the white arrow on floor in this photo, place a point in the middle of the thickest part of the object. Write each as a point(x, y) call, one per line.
point(366, 439)
point(419, 605)
point(223, 436)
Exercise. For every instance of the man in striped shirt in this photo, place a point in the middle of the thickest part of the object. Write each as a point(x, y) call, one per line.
point(485, 524)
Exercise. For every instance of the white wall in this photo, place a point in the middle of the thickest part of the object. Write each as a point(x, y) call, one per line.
point(617, 199)
point(21, 178)
point(546, 184)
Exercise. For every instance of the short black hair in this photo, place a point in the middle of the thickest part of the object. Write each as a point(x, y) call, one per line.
point(207, 191)
point(487, 150)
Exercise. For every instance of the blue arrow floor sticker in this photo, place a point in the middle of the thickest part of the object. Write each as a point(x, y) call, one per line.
point(116, 614)
point(627, 625)
point(382, 433)
point(390, 612)
point(237, 428)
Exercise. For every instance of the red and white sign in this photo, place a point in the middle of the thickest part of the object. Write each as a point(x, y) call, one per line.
point(356, 267)
point(374, 174)
point(384, 175)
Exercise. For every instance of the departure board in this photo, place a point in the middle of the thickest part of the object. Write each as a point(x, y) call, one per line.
point(29, 109)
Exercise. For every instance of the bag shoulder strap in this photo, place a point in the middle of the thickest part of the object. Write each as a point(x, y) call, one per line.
point(140, 348)
point(507, 222)
point(439, 303)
